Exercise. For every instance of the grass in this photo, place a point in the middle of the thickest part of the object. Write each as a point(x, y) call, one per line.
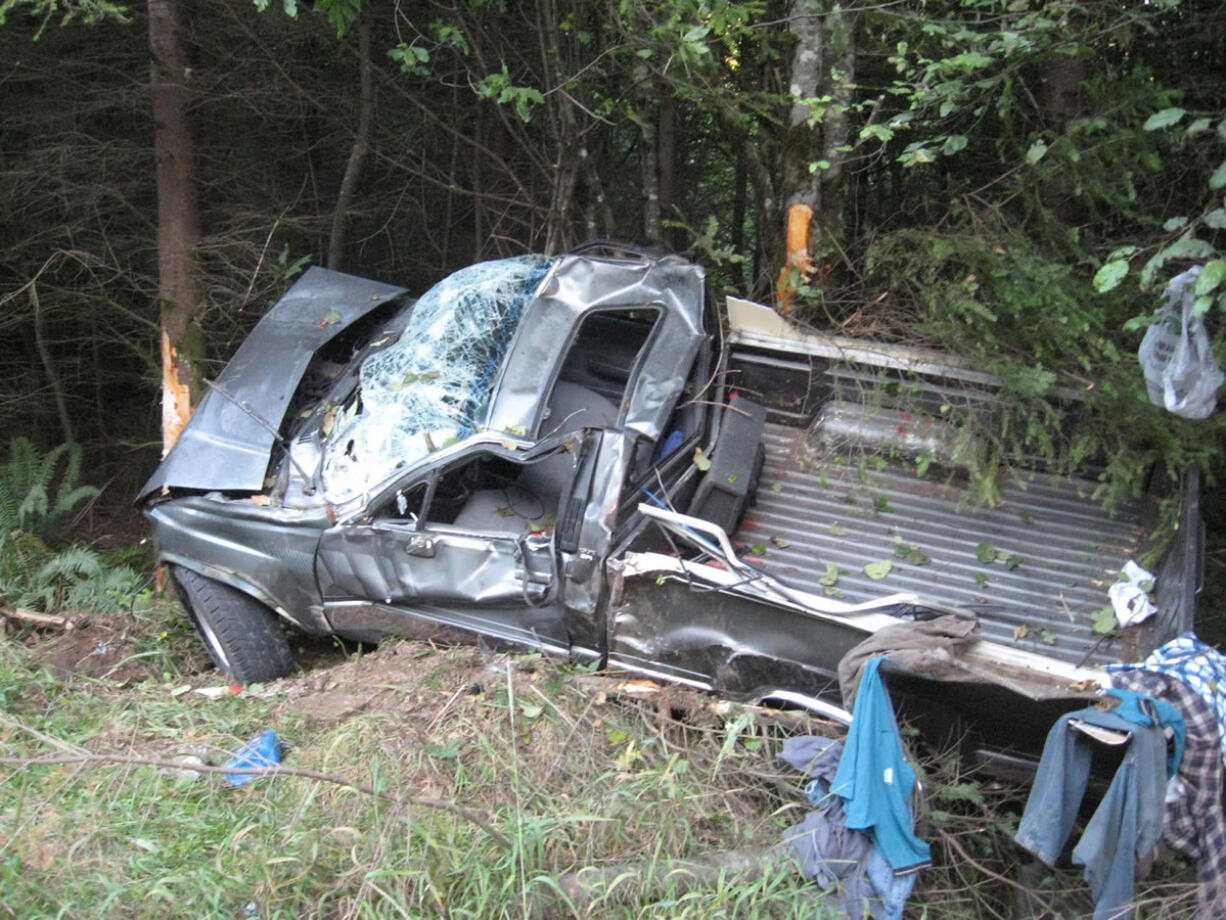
point(570, 776)
point(570, 769)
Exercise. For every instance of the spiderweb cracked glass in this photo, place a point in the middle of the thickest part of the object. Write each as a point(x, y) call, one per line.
point(434, 384)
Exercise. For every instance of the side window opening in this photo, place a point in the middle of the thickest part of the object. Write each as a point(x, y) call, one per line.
point(599, 364)
point(486, 494)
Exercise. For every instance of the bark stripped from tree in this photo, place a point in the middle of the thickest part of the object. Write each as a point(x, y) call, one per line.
point(178, 223)
point(814, 144)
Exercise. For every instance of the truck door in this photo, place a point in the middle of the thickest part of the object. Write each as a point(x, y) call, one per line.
point(470, 546)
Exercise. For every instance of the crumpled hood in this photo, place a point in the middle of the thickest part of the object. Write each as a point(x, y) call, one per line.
point(227, 443)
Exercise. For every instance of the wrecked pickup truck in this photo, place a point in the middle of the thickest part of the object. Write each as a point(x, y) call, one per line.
point(578, 454)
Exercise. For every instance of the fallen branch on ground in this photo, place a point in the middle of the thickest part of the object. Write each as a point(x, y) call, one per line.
point(89, 757)
point(33, 616)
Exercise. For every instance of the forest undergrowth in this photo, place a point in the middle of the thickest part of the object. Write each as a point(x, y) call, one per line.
point(426, 781)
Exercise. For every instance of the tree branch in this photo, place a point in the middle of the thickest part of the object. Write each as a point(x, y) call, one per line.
point(90, 757)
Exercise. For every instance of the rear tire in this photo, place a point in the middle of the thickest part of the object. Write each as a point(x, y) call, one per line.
point(244, 638)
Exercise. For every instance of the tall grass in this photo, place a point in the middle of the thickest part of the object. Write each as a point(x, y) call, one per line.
point(569, 773)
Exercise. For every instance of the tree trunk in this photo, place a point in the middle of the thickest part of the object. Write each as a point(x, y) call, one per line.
point(666, 147)
point(812, 191)
point(357, 153)
point(178, 223)
point(649, 170)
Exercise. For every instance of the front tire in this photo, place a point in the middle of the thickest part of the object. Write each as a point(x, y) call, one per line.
point(244, 638)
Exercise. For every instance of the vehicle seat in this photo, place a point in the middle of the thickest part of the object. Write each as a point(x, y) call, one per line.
point(530, 503)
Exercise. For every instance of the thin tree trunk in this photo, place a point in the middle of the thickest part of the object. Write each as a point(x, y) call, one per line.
point(739, 201)
point(178, 232)
point(44, 354)
point(841, 52)
point(602, 220)
point(666, 147)
point(649, 171)
point(357, 153)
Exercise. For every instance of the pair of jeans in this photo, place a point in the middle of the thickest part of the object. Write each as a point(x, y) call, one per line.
point(1128, 822)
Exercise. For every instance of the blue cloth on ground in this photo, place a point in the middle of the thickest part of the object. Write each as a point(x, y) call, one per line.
point(844, 862)
point(829, 852)
point(1128, 822)
point(264, 750)
point(874, 779)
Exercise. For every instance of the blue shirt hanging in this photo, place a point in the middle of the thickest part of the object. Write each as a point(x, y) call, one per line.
point(874, 779)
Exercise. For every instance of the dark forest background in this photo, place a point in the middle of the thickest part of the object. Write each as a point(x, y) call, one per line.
point(1014, 180)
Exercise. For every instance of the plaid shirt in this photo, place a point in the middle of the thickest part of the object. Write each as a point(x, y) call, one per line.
point(1200, 666)
point(1194, 823)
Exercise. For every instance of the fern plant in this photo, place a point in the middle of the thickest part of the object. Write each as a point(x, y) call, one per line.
point(32, 498)
point(37, 493)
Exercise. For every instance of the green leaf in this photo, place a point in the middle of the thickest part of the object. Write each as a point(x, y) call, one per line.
point(880, 132)
point(1109, 276)
point(776, 487)
point(1188, 248)
point(448, 751)
point(780, 542)
point(1137, 323)
point(986, 553)
point(1210, 277)
point(1216, 219)
point(910, 553)
point(1175, 223)
point(953, 144)
point(331, 318)
point(969, 60)
point(701, 460)
point(1104, 620)
point(831, 578)
point(1201, 124)
point(1218, 179)
point(1037, 151)
point(1164, 119)
point(757, 550)
point(878, 570)
point(838, 530)
point(616, 736)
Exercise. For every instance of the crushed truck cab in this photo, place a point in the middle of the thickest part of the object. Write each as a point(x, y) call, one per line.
point(581, 455)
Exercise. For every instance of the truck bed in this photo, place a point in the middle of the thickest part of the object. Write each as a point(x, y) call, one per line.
point(1065, 548)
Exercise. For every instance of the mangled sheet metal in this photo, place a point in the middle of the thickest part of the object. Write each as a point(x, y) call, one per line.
point(228, 440)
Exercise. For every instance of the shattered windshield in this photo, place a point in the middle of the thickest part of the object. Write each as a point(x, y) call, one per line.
point(433, 385)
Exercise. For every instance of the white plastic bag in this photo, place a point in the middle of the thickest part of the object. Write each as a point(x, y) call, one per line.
point(1180, 371)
